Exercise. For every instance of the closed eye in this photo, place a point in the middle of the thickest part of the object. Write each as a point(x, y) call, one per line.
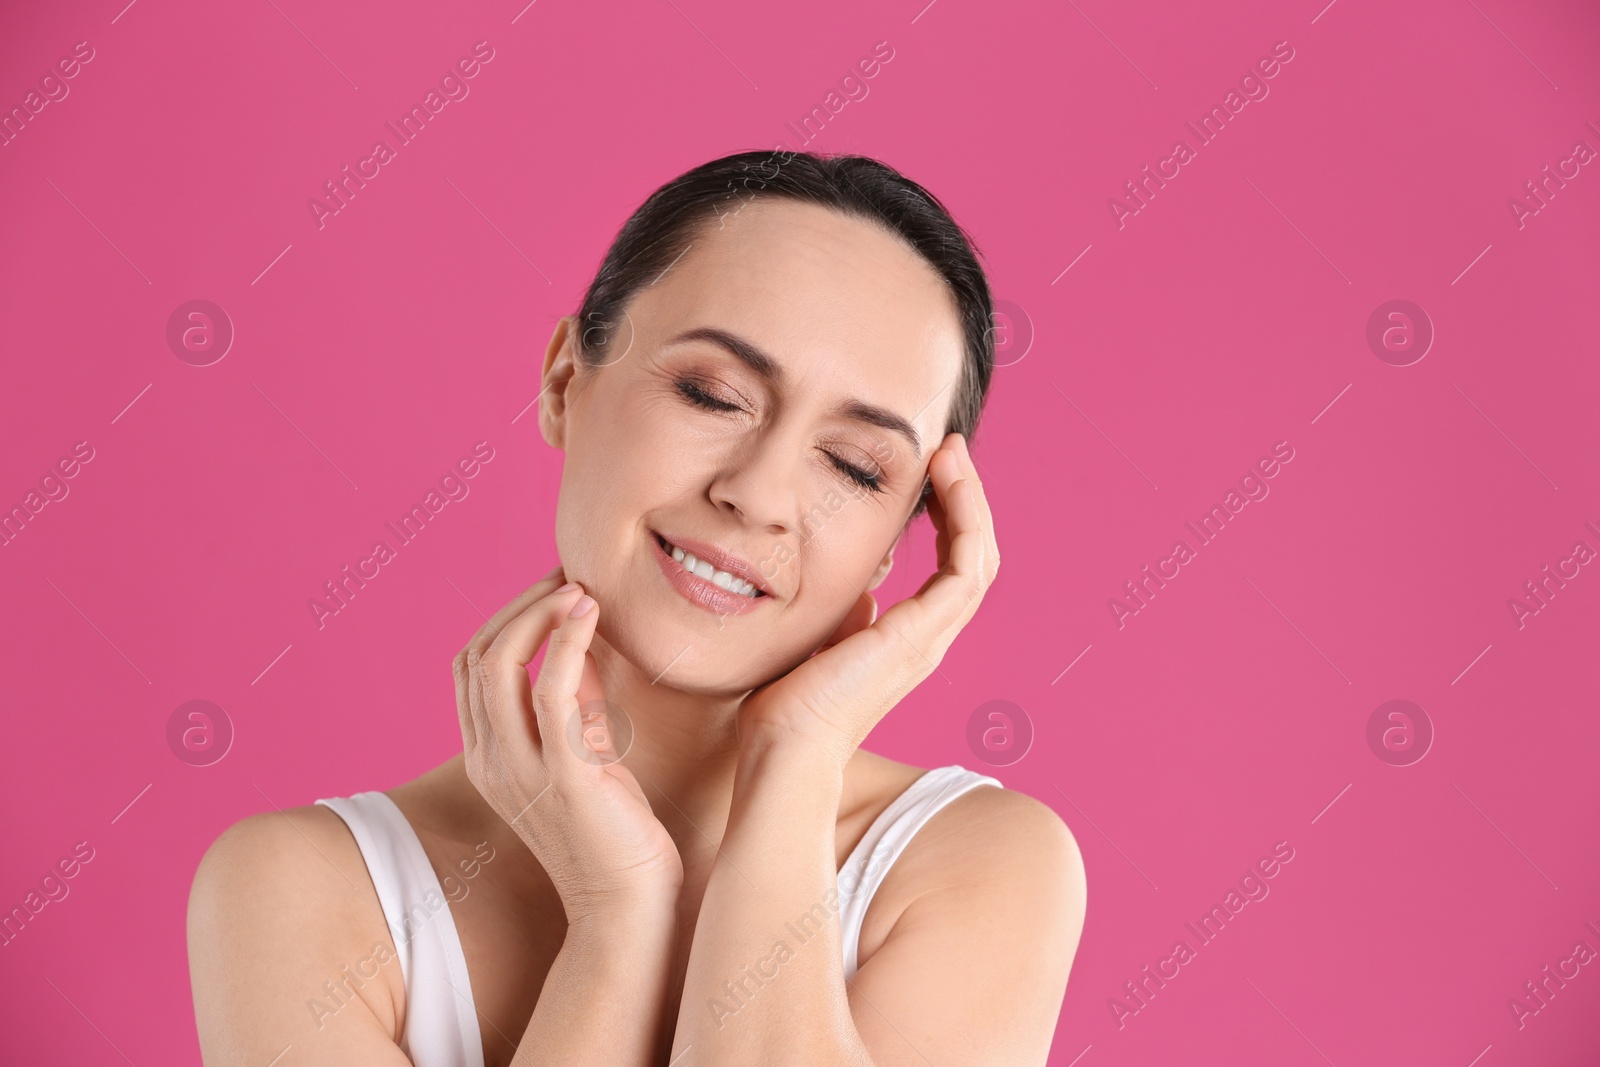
point(700, 398)
point(857, 475)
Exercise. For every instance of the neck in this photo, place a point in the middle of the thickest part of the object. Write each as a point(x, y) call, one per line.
point(684, 751)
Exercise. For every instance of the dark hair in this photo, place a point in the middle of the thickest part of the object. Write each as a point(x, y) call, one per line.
point(666, 223)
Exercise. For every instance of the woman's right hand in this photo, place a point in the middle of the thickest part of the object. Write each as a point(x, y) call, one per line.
point(582, 814)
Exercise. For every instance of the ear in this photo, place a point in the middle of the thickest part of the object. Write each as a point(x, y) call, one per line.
point(560, 365)
point(883, 569)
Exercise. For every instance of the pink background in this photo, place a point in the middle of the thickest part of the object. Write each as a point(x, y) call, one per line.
point(1227, 715)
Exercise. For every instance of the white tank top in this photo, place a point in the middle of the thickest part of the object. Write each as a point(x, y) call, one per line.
point(441, 1021)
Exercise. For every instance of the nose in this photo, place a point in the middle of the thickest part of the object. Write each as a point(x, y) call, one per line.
point(763, 481)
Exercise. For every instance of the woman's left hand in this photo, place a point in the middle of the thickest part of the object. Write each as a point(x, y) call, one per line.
point(835, 698)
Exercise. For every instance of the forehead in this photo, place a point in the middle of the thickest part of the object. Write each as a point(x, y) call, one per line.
point(844, 304)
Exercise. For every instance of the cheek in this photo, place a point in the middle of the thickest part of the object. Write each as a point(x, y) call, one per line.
point(840, 543)
point(619, 468)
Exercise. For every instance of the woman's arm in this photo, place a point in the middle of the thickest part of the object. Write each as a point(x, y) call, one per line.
point(603, 1002)
point(976, 965)
point(585, 819)
point(973, 971)
point(283, 908)
point(288, 950)
point(289, 957)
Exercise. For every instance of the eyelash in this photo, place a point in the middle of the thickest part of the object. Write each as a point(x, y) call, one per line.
point(700, 398)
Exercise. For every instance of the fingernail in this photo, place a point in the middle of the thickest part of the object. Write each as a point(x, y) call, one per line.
point(569, 587)
point(581, 608)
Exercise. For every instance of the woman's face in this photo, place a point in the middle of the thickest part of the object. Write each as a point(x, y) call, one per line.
point(801, 458)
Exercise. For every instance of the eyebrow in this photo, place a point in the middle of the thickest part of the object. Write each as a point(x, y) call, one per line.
point(769, 368)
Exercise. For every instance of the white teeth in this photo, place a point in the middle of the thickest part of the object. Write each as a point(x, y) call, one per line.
point(722, 579)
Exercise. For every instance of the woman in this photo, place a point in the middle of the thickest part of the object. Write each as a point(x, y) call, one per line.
point(667, 846)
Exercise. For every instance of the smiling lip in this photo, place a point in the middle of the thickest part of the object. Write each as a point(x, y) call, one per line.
point(702, 591)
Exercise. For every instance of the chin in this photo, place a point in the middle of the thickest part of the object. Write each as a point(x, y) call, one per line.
point(712, 661)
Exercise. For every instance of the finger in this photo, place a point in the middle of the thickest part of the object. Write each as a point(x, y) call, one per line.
point(506, 738)
point(596, 726)
point(477, 701)
point(862, 614)
point(519, 639)
point(629, 780)
point(936, 515)
point(960, 493)
point(496, 622)
point(503, 672)
point(931, 618)
point(555, 692)
point(469, 704)
point(463, 679)
point(985, 515)
point(480, 726)
point(491, 629)
point(590, 688)
point(956, 491)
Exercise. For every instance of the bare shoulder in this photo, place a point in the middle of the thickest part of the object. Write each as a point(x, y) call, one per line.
point(1017, 827)
point(995, 840)
point(988, 833)
point(278, 844)
point(288, 945)
point(972, 935)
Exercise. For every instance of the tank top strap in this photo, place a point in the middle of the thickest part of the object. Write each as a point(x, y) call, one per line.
point(869, 862)
point(441, 1028)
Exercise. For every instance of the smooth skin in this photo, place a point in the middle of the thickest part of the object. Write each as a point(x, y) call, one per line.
point(622, 895)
